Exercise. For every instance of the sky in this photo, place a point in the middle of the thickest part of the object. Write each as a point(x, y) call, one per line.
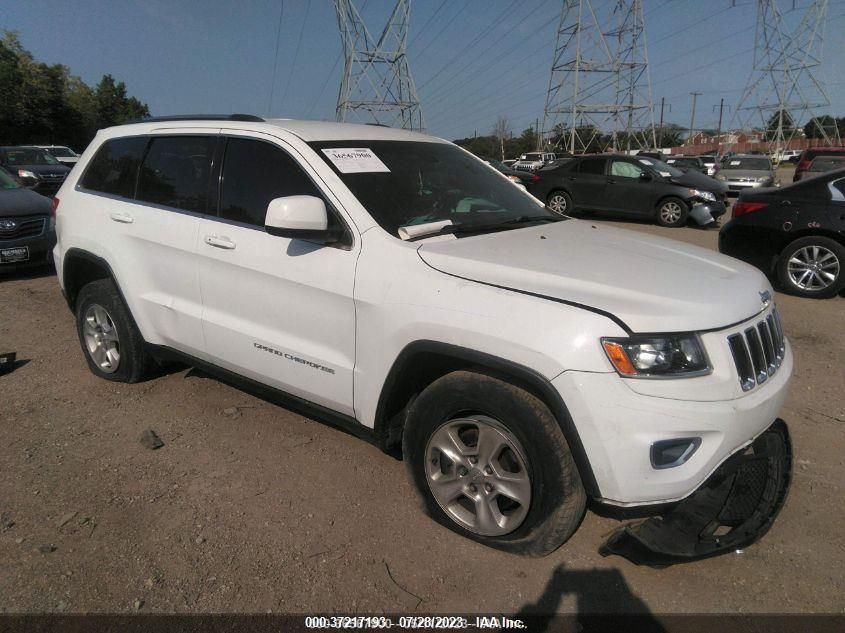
point(218, 56)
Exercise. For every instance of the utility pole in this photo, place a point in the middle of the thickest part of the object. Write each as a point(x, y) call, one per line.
point(376, 86)
point(537, 133)
point(719, 128)
point(786, 86)
point(692, 118)
point(599, 75)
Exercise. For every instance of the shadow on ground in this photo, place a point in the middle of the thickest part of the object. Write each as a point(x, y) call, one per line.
point(602, 598)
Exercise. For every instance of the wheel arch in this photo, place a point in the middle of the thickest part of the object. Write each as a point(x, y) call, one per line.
point(422, 362)
point(81, 267)
point(787, 239)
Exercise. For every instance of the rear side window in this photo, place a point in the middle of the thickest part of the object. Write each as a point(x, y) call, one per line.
point(114, 169)
point(592, 166)
point(175, 172)
point(254, 173)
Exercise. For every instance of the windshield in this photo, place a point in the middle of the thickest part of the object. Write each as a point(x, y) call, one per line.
point(64, 152)
point(683, 162)
point(667, 171)
point(403, 183)
point(750, 164)
point(6, 180)
point(531, 157)
point(827, 163)
point(29, 156)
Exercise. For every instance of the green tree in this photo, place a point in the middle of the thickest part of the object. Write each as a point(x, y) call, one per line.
point(821, 127)
point(780, 119)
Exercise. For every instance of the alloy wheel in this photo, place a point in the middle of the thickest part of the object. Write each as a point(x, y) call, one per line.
point(101, 339)
point(813, 268)
point(557, 203)
point(478, 474)
point(670, 212)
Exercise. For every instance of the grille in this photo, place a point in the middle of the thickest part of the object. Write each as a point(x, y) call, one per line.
point(758, 351)
point(24, 227)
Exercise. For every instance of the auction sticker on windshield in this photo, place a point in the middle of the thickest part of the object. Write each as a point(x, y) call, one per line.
point(355, 160)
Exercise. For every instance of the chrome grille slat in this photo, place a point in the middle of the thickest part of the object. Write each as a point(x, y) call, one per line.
point(758, 351)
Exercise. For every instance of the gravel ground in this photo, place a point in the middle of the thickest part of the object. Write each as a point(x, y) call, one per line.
point(249, 507)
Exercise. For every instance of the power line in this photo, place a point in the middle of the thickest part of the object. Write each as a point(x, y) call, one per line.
point(429, 21)
point(276, 57)
point(446, 25)
point(296, 54)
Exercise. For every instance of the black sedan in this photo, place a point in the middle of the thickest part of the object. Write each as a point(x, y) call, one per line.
point(34, 168)
point(796, 233)
point(519, 176)
point(27, 234)
point(636, 186)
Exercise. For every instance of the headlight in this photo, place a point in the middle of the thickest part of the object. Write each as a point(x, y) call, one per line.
point(671, 356)
point(704, 195)
point(763, 179)
point(25, 173)
point(721, 177)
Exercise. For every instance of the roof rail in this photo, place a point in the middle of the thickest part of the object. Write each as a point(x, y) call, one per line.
point(251, 118)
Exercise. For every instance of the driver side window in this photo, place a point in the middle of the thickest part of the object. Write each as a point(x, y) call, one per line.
point(625, 169)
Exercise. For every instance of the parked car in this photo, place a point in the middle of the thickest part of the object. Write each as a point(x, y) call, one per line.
point(532, 161)
point(786, 155)
point(27, 229)
point(508, 162)
point(795, 233)
point(651, 154)
point(630, 185)
point(34, 168)
point(808, 155)
point(745, 171)
point(392, 283)
point(687, 163)
point(821, 164)
point(518, 176)
point(64, 154)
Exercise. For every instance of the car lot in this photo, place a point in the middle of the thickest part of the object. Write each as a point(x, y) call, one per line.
point(251, 507)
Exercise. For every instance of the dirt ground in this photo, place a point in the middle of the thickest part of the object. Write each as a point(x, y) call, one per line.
point(249, 507)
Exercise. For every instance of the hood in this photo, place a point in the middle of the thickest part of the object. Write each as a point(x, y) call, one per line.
point(23, 202)
point(698, 180)
point(651, 284)
point(40, 169)
point(745, 173)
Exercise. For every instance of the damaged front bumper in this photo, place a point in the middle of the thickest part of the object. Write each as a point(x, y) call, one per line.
point(706, 212)
point(734, 508)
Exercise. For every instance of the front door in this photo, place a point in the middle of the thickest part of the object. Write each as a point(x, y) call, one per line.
point(626, 191)
point(277, 310)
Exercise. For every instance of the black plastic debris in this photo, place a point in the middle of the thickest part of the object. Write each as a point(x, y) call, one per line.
point(7, 362)
point(734, 508)
point(150, 440)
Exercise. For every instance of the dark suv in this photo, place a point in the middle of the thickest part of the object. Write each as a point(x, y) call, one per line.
point(631, 185)
point(34, 168)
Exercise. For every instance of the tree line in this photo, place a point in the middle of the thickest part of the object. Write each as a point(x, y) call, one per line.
point(43, 104)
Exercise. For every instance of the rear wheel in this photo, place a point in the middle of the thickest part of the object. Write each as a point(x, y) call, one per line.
point(111, 342)
point(812, 267)
point(672, 212)
point(560, 202)
point(490, 462)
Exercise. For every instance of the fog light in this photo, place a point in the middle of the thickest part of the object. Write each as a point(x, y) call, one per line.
point(671, 453)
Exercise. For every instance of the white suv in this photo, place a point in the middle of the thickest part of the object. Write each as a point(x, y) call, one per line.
point(394, 284)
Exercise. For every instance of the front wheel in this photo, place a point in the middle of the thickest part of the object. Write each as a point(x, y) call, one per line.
point(560, 202)
point(490, 462)
point(672, 212)
point(812, 267)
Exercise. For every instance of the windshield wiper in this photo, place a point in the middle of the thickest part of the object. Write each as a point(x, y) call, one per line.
point(438, 228)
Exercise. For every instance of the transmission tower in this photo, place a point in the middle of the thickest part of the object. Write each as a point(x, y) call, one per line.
point(377, 86)
point(599, 93)
point(786, 88)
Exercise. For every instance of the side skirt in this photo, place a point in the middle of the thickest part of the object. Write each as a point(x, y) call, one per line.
point(276, 396)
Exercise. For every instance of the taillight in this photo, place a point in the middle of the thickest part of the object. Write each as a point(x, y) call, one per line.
point(55, 207)
point(535, 178)
point(803, 165)
point(744, 208)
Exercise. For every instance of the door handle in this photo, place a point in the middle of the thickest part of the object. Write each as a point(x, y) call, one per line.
point(611, 181)
point(219, 242)
point(123, 218)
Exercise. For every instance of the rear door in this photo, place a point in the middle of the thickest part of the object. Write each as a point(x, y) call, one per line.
point(588, 182)
point(150, 216)
point(277, 310)
point(626, 192)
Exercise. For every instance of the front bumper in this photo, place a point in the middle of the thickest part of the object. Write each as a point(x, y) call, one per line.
point(40, 249)
point(742, 185)
point(706, 212)
point(618, 426)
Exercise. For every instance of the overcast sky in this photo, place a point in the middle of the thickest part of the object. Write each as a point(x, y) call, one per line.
point(195, 56)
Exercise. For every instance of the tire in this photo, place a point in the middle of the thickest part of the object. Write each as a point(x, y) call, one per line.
point(560, 202)
point(812, 266)
point(672, 212)
point(111, 343)
point(531, 461)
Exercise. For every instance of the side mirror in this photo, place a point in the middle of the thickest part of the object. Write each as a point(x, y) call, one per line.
point(645, 177)
point(301, 218)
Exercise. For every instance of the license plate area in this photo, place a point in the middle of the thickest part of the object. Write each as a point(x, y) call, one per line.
point(14, 254)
